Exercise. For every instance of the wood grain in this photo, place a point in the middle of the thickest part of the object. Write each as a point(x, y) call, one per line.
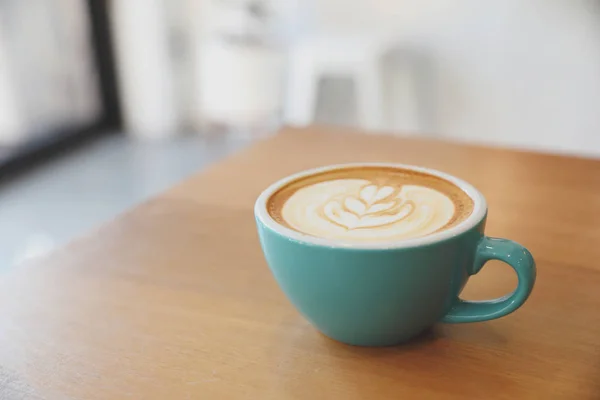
point(173, 300)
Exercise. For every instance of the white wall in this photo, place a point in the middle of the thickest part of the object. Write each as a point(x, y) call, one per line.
point(11, 125)
point(144, 68)
point(524, 73)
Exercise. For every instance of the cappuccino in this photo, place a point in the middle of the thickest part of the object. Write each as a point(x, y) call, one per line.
point(369, 204)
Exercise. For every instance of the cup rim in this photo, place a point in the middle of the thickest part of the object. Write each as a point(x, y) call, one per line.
point(479, 210)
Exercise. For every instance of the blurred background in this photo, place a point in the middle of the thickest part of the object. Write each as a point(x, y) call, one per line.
point(105, 103)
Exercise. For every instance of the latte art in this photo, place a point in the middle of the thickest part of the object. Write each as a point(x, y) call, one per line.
point(360, 210)
point(370, 205)
point(373, 207)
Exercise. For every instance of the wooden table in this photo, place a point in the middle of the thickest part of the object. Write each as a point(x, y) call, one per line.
point(173, 300)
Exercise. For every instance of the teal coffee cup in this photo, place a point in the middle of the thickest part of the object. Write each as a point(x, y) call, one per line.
point(384, 293)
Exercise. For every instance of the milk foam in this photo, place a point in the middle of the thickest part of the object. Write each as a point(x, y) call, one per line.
point(359, 210)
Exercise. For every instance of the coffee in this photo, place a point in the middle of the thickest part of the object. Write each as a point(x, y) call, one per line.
point(369, 204)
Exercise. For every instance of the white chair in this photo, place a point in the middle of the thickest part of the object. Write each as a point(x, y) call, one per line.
point(359, 57)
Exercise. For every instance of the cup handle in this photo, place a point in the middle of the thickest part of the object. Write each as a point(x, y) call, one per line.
point(515, 255)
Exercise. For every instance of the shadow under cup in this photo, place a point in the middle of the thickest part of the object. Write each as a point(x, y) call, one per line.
point(379, 294)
